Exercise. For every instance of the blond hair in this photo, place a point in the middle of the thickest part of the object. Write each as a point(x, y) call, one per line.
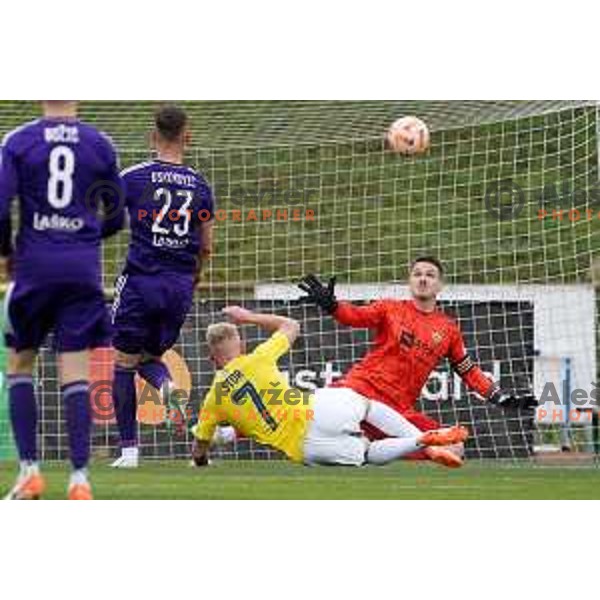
point(219, 332)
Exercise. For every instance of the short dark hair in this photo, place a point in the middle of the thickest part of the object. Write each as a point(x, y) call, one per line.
point(170, 121)
point(432, 260)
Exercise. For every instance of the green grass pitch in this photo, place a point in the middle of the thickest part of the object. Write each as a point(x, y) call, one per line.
point(272, 480)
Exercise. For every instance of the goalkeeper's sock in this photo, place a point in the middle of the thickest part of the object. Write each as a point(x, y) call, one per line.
point(125, 405)
point(79, 421)
point(390, 422)
point(23, 415)
point(155, 372)
point(385, 451)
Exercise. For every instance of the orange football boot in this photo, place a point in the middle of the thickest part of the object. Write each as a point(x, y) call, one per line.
point(445, 457)
point(30, 487)
point(80, 491)
point(444, 437)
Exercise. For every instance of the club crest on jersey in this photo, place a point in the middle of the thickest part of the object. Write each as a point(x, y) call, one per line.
point(436, 338)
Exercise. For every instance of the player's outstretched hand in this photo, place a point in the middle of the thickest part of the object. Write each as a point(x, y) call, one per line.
point(238, 314)
point(504, 399)
point(322, 295)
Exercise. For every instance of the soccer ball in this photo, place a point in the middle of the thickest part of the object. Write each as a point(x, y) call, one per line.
point(408, 135)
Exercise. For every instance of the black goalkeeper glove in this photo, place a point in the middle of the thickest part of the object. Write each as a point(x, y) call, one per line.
point(322, 295)
point(504, 399)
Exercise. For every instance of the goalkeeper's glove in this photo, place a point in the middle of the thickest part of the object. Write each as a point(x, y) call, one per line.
point(322, 295)
point(504, 399)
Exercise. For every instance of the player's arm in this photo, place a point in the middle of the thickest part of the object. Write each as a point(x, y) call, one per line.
point(206, 246)
point(369, 316)
point(5, 245)
point(206, 230)
point(289, 328)
point(323, 296)
point(476, 380)
point(204, 430)
point(8, 190)
point(113, 195)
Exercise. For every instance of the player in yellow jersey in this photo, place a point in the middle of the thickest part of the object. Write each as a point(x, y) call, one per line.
point(250, 393)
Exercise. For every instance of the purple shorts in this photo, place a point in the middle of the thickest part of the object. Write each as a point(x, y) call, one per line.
point(149, 311)
point(75, 311)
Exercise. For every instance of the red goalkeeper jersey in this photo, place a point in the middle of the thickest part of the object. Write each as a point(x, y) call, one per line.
point(409, 344)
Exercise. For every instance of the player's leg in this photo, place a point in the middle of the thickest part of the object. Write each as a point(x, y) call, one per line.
point(74, 377)
point(402, 438)
point(125, 403)
point(334, 436)
point(383, 421)
point(399, 437)
point(153, 370)
point(392, 436)
point(23, 415)
point(27, 320)
point(384, 451)
point(451, 456)
point(170, 307)
point(82, 324)
point(130, 331)
point(389, 421)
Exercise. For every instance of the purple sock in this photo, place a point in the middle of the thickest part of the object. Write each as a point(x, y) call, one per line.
point(155, 372)
point(124, 400)
point(79, 421)
point(23, 415)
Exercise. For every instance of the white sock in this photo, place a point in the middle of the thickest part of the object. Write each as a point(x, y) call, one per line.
point(390, 449)
point(130, 452)
point(78, 477)
point(390, 422)
point(28, 468)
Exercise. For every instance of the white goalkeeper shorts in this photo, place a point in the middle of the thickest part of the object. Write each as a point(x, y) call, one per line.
point(334, 436)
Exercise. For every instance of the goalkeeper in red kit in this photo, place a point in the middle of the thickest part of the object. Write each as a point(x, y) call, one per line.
point(411, 338)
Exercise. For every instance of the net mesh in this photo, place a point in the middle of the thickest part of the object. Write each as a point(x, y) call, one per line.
point(309, 187)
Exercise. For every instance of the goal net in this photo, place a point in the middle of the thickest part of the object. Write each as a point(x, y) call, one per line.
point(507, 197)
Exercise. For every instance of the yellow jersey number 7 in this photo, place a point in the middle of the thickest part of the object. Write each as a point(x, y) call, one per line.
point(248, 390)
